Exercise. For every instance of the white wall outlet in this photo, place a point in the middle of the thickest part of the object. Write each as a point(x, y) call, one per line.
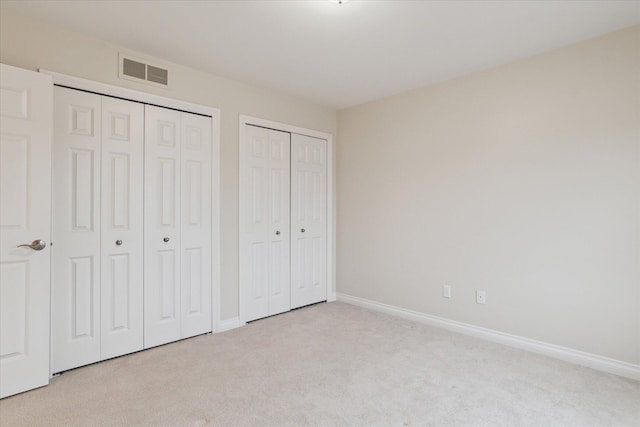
point(446, 291)
point(481, 297)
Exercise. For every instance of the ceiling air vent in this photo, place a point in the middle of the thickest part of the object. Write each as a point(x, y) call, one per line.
point(140, 71)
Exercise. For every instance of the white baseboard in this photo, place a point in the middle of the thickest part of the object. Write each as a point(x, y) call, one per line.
point(605, 364)
point(331, 297)
point(229, 324)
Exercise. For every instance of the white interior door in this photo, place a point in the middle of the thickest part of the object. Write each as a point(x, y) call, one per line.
point(75, 269)
point(265, 228)
point(279, 215)
point(162, 226)
point(308, 220)
point(26, 108)
point(121, 227)
point(195, 230)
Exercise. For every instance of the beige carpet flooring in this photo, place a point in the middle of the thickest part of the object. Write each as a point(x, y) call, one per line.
point(330, 365)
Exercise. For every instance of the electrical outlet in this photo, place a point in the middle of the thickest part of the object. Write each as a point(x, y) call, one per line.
point(481, 297)
point(446, 291)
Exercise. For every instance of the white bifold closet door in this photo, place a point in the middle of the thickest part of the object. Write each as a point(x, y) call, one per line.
point(96, 228)
point(121, 228)
point(265, 214)
point(308, 220)
point(177, 225)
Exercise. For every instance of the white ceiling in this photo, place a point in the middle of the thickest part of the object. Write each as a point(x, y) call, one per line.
point(337, 55)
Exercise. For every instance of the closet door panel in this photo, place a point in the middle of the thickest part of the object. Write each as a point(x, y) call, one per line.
point(75, 266)
point(279, 207)
point(300, 289)
point(254, 247)
point(317, 206)
point(195, 237)
point(162, 250)
point(264, 245)
point(309, 220)
point(122, 227)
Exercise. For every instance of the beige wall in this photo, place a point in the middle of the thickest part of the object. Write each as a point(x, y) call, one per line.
point(522, 180)
point(31, 44)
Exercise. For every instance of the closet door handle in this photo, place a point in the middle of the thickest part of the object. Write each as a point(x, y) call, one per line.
point(118, 242)
point(302, 230)
point(166, 239)
point(278, 233)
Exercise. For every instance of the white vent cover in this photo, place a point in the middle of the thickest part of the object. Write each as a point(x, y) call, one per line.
point(138, 70)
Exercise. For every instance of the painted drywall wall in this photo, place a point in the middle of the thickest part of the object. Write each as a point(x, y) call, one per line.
point(32, 44)
point(522, 181)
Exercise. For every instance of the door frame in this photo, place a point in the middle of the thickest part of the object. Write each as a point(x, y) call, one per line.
point(161, 101)
point(331, 214)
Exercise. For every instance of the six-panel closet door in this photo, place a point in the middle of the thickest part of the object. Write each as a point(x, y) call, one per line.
point(97, 216)
point(75, 233)
point(265, 204)
point(121, 296)
point(177, 266)
point(162, 226)
point(308, 220)
point(195, 227)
